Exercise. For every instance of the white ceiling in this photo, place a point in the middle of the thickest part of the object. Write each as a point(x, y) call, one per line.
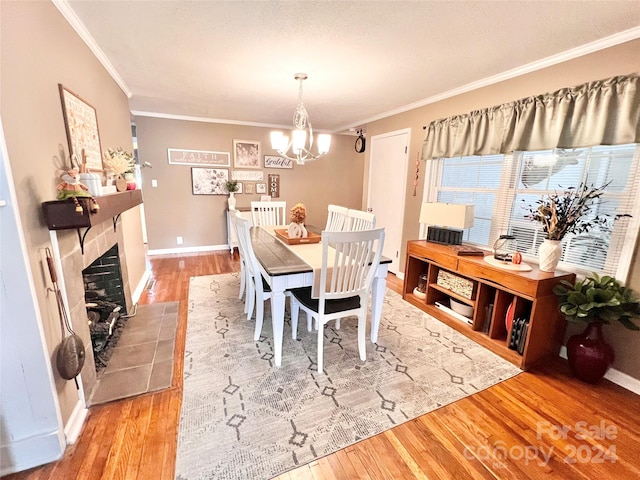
point(235, 60)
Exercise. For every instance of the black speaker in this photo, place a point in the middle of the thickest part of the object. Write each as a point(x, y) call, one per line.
point(445, 236)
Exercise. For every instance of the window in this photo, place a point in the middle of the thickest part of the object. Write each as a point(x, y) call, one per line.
point(500, 186)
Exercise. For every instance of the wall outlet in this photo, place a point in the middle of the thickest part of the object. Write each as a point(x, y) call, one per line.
point(154, 183)
point(179, 240)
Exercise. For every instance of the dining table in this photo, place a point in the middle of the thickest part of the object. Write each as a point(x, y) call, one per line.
point(283, 270)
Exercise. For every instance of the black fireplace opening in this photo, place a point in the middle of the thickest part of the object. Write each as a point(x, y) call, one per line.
point(106, 304)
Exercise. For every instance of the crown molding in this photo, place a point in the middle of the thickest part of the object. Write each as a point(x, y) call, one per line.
point(613, 40)
point(170, 116)
point(75, 22)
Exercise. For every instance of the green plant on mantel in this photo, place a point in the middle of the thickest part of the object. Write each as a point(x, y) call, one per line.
point(598, 299)
point(232, 186)
point(118, 161)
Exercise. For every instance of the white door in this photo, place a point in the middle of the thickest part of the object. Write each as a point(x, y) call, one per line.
point(387, 188)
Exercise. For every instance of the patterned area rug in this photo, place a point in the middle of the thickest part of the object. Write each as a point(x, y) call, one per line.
point(244, 418)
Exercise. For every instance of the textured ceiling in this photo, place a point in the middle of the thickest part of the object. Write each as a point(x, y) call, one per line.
point(235, 60)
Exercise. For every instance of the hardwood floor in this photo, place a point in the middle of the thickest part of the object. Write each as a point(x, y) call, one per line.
point(542, 423)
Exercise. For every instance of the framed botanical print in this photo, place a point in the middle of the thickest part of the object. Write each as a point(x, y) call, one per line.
point(209, 181)
point(249, 189)
point(246, 154)
point(261, 188)
point(81, 124)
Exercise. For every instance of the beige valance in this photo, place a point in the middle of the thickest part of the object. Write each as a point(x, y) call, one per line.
point(604, 112)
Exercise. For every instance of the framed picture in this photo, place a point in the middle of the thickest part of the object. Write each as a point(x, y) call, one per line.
point(198, 158)
point(246, 154)
point(247, 175)
point(273, 161)
point(261, 188)
point(274, 185)
point(209, 181)
point(239, 187)
point(249, 190)
point(81, 124)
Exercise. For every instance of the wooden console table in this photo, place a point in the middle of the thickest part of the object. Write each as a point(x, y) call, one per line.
point(528, 293)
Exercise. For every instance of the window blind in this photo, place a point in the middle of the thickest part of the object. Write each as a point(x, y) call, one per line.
point(501, 186)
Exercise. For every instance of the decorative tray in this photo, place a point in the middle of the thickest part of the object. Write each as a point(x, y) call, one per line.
point(283, 234)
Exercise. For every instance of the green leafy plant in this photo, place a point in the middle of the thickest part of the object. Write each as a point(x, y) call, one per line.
point(118, 161)
point(598, 299)
point(232, 186)
point(568, 212)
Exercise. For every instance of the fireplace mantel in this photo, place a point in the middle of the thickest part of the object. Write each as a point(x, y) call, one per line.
point(61, 214)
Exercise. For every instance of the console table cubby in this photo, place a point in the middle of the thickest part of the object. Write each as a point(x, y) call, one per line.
point(528, 293)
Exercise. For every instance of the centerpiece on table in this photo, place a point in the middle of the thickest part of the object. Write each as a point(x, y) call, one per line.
point(121, 164)
point(296, 227)
point(595, 301)
point(561, 214)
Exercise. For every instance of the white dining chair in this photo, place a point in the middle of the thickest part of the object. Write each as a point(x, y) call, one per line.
point(269, 213)
point(243, 269)
point(357, 220)
point(336, 218)
point(345, 284)
point(258, 291)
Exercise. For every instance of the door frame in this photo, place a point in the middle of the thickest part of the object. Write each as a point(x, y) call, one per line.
point(393, 133)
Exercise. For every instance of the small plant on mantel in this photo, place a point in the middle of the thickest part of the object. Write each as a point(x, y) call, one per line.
point(118, 161)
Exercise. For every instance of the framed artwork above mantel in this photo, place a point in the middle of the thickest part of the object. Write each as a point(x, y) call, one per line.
point(81, 124)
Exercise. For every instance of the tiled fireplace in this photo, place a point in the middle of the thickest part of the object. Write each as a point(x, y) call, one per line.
point(100, 239)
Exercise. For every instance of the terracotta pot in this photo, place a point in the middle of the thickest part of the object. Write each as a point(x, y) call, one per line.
point(131, 181)
point(589, 356)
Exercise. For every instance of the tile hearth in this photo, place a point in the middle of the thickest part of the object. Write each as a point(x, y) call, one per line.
point(142, 360)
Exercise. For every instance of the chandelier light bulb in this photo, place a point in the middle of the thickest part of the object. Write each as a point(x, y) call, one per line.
point(324, 143)
point(299, 140)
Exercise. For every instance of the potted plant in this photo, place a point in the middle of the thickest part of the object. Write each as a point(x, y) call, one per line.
point(563, 213)
point(232, 187)
point(595, 301)
point(121, 164)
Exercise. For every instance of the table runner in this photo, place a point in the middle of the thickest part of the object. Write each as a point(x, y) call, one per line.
point(309, 253)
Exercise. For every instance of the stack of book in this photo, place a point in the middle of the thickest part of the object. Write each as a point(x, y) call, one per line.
point(519, 331)
point(488, 313)
point(466, 250)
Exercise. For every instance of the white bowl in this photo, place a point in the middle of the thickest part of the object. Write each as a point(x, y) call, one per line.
point(461, 308)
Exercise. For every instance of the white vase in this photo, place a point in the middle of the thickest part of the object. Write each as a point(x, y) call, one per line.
point(549, 255)
point(232, 201)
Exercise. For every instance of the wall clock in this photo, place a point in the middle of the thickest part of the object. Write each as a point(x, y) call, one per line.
point(361, 143)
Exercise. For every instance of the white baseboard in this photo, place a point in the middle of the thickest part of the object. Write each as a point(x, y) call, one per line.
point(135, 296)
point(624, 380)
point(615, 376)
point(76, 421)
point(208, 248)
point(400, 275)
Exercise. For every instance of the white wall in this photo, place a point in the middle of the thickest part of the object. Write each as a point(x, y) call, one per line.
point(30, 422)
